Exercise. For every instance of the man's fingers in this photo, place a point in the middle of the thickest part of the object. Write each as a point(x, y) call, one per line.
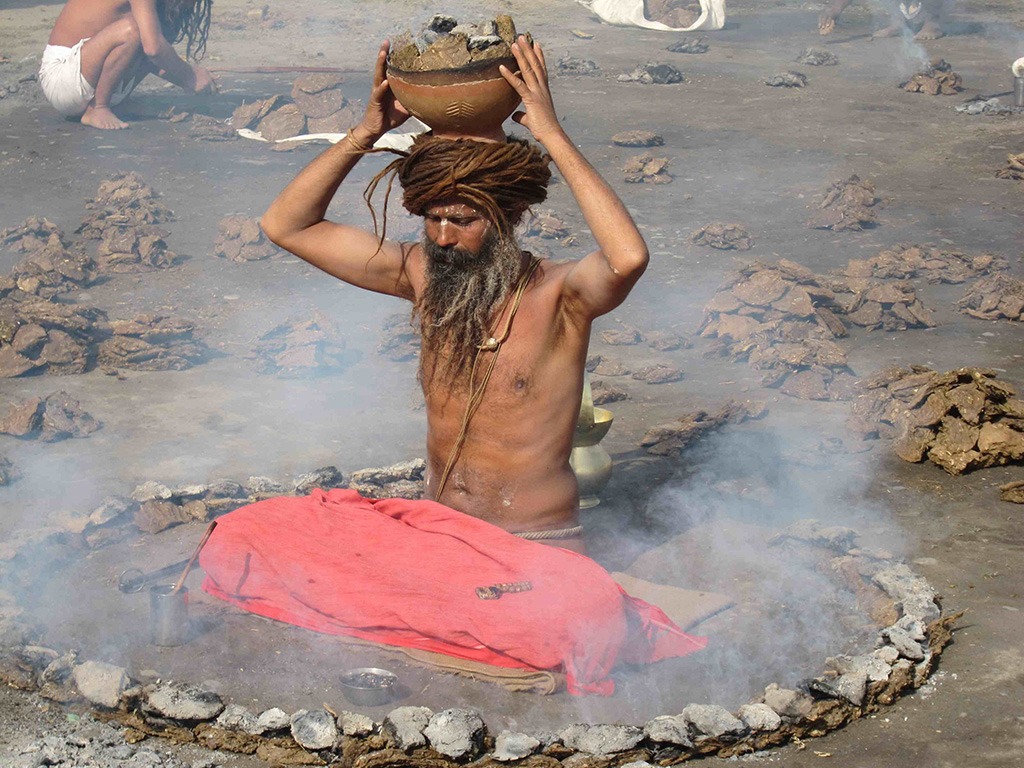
point(517, 116)
point(512, 79)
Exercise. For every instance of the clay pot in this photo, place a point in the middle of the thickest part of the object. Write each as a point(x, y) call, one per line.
point(471, 101)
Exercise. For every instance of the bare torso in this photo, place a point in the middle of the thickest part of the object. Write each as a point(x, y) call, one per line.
point(513, 469)
point(84, 18)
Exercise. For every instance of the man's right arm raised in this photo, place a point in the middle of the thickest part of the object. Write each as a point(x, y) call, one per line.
point(295, 220)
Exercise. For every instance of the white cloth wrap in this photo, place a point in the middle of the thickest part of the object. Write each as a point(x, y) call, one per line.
point(630, 13)
point(64, 85)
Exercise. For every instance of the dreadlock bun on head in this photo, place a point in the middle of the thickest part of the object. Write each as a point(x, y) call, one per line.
point(499, 179)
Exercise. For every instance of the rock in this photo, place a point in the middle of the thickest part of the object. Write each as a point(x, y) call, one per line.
point(852, 686)
point(790, 704)
point(300, 348)
point(249, 115)
point(647, 169)
point(182, 701)
point(273, 719)
point(509, 746)
point(601, 739)
point(325, 478)
point(669, 729)
point(622, 336)
point(846, 204)
point(903, 642)
point(604, 393)
point(456, 733)
point(714, 721)
point(355, 724)
point(404, 727)
point(260, 487)
point(403, 480)
point(206, 128)
point(237, 718)
point(100, 683)
point(314, 729)
point(58, 416)
point(759, 717)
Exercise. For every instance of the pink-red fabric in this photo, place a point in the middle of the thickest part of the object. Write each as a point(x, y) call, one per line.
point(405, 573)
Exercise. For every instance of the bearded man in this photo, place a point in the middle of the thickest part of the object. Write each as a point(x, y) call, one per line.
point(99, 50)
point(504, 334)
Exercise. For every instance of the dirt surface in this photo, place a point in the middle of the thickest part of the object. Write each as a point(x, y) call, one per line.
point(738, 151)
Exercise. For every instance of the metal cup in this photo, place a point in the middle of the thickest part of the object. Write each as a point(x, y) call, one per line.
point(168, 615)
point(1018, 91)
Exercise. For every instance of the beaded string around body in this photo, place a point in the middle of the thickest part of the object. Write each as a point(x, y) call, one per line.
point(476, 393)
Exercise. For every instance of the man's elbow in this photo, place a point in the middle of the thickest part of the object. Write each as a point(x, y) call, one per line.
point(272, 229)
point(633, 263)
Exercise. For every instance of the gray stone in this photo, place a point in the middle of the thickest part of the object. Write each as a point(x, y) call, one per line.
point(264, 486)
point(100, 683)
point(888, 656)
point(314, 729)
point(237, 718)
point(404, 726)
point(759, 717)
point(788, 703)
point(638, 764)
point(852, 686)
point(226, 489)
point(110, 510)
point(58, 670)
point(456, 733)
point(152, 491)
point(273, 719)
point(182, 701)
point(713, 720)
point(874, 667)
point(514, 746)
point(190, 491)
point(900, 583)
point(921, 607)
point(355, 724)
point(669, 729)
point(904, 642)
point(601, 739)
point(480, 42)
point(325, 478)
point(547, 738)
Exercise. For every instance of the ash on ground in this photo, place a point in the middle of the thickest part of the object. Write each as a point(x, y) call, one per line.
point(572, 66)
point(847, 204)
point(240, 238)
point(938, 78)
point(300, 348)
point(961, 420)
point(817, 57)
point(653, 74)
point(996, 297)
point(724, 237)
point(787, 80)
point(937, 265)
point(400, 340)
point(57, 416)
point(693, 45)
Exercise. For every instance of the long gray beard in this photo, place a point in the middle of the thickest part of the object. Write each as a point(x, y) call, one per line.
point(461, 295)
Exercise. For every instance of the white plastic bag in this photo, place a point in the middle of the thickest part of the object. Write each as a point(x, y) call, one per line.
point(630, 13)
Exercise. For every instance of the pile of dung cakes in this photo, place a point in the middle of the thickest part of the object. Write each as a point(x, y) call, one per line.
point(961, 420)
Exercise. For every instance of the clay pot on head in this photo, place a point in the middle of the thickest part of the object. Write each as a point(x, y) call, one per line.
point(470, 102)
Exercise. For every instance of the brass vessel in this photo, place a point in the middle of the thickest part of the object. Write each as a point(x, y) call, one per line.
point(591, 462)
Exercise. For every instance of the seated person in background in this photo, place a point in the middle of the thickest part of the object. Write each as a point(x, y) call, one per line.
point(921, 16)
point(99, 50)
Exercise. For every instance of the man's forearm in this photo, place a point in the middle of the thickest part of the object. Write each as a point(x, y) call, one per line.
point(304, 201)
point(172, 68)
point(606, 215)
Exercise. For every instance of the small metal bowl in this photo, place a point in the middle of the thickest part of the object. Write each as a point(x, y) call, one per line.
point(368, 686)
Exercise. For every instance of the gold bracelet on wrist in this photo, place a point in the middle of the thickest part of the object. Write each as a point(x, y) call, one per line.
point(357, 145)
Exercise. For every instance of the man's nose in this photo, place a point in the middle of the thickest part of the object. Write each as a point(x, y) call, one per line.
point(446, 234)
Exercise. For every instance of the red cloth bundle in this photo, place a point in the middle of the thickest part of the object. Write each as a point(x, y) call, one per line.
point(405, 573)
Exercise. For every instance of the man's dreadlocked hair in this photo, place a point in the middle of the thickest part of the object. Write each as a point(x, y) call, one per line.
point(500, 180)
point(186, 20)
